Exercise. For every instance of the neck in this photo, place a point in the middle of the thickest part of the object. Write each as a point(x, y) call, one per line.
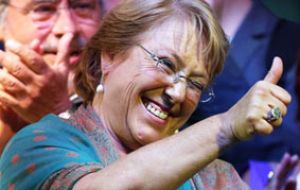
point(122, 151)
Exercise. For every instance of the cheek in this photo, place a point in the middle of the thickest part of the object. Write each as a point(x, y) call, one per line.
point(190, 106)
point(192, 99)
point(19, 28)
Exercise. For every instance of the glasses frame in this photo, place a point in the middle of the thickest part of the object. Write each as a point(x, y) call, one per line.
point(208, 90)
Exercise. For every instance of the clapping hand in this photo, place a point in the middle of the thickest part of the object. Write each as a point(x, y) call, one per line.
point(31, 87)
point(285, 174)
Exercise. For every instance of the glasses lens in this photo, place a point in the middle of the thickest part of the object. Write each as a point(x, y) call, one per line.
point(207, 95)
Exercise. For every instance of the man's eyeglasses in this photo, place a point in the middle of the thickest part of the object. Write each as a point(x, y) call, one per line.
point(168, 67)
point(48, 9)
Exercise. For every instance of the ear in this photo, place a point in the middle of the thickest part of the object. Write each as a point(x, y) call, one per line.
point(108, 64)
point(105, 64)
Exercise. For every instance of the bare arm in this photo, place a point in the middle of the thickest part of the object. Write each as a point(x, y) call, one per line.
point(166, 164)
point(10, 123)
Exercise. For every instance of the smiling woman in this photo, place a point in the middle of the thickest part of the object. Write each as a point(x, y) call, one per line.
point(141, 77)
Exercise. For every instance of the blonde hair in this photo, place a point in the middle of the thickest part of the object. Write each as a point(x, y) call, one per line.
point(123, 27)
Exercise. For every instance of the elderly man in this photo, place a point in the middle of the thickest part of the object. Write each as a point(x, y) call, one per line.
point(43, 42)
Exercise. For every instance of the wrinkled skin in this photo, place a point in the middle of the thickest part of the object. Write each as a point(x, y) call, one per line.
point(34, 91)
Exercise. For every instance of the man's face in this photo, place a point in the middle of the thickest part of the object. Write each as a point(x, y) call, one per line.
point(48, 20)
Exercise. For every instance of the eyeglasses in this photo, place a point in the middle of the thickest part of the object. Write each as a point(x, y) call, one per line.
point(168, 67)
point(47, 10)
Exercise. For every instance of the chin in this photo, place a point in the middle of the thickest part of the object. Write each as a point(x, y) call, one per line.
point(145, 137)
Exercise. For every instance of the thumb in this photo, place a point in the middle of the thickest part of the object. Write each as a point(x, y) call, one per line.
point(275, 72)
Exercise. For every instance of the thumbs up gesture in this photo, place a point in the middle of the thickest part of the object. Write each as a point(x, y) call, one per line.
point(262, 108)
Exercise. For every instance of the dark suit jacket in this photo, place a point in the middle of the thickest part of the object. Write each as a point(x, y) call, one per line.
point(260, 37)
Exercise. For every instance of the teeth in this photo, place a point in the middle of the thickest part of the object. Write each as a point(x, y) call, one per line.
point(157, 112)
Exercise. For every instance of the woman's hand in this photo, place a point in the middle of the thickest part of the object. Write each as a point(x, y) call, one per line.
point(250, 115)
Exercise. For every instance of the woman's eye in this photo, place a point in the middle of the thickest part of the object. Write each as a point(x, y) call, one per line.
point(168, 65)
point(196, 85)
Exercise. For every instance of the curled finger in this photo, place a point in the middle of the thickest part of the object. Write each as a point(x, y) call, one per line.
point(8, 100)
point(263, 127)
point(10, 84)
point(16, 68)
point(28, 56)
point(287, 164)
point(280, 93)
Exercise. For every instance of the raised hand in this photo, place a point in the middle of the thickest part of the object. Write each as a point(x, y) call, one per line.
point(285, 174)
point(31, 87)
point(262, 108)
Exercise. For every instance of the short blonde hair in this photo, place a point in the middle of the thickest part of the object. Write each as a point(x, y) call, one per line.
point(123, 27)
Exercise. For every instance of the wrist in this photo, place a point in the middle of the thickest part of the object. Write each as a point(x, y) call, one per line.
point(227, 134)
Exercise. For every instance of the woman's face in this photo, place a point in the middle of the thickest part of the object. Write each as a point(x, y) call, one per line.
point(142, 102)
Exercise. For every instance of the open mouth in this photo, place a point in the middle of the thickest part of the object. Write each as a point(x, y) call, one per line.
point(155, 109)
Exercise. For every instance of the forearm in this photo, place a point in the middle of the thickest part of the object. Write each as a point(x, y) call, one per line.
point(165, 164)
point(5, 134)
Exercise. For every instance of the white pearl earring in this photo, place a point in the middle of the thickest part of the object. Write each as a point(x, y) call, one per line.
point(100, 88)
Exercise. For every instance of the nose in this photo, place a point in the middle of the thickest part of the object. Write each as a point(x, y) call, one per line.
point(64, 23)
point(177, 91)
